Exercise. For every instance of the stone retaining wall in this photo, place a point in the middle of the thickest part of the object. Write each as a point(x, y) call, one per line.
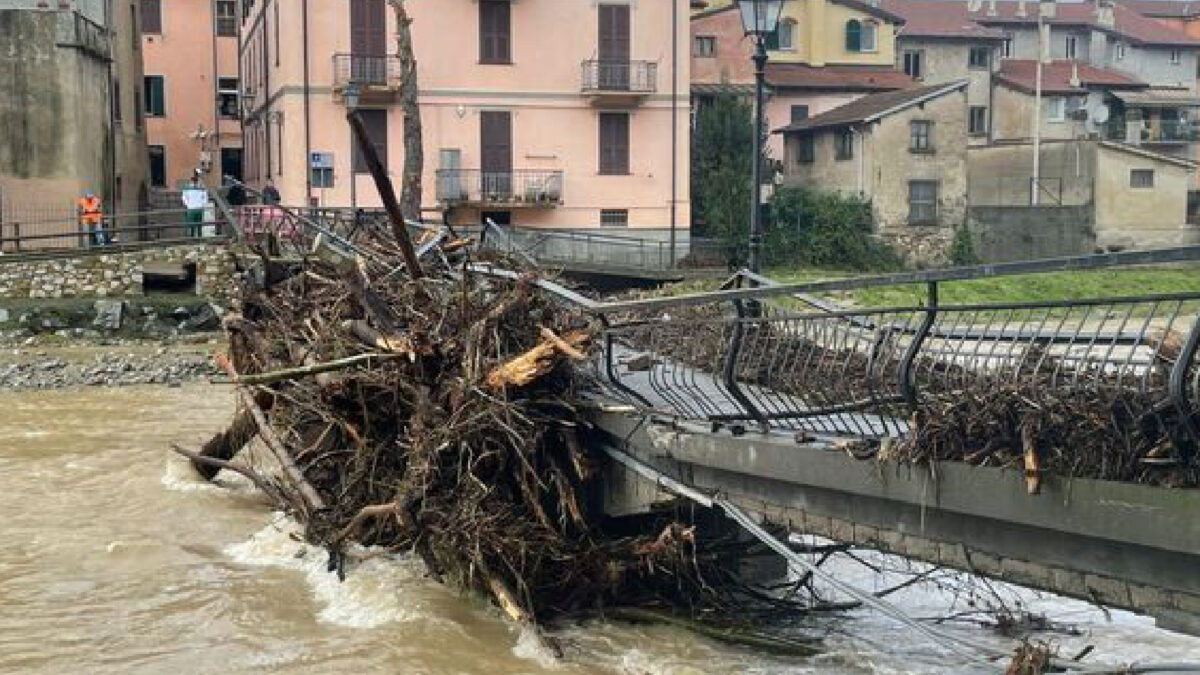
point(115, 275)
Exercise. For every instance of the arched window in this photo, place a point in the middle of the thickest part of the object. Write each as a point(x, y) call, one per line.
point(853, 35)
point(787, 34)
point(869, 31)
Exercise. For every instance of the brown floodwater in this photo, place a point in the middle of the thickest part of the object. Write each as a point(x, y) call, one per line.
point(116, 558)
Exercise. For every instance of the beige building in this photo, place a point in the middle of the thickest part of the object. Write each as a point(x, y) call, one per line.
point(1119, 195)
point(904, 150)
point(191, 89)
point(542, 113)
point(71, 113)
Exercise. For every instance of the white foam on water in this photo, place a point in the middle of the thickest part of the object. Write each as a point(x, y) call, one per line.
point(371, 595)
point(180, 476)
point(530, 647)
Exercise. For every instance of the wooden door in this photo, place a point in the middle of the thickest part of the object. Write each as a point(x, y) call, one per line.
point(368, 41)
point(614, 47)
point(496, 153)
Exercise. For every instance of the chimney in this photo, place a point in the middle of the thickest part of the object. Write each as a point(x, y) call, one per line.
point(1021, 9)
point(1075, 82)
point(991, 8)
point(1105, 13)
point(974, 5)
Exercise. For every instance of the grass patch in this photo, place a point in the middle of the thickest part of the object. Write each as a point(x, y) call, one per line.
point(1074, 285)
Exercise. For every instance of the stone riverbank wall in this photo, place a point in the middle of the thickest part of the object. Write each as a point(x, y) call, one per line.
point(116, 273)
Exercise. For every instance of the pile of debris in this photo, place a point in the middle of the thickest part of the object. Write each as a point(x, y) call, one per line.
point(431, 408)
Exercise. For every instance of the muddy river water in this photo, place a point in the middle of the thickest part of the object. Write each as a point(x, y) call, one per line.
point(115, 558)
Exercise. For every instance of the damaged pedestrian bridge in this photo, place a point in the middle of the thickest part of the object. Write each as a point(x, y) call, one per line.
point(1049, 444)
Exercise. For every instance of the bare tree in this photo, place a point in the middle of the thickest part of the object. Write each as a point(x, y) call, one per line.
point(414, 155)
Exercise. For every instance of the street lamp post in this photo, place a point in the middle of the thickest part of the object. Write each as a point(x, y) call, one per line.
point(350, 97)
point(760, 18)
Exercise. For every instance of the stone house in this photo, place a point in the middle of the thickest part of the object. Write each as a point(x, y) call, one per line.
point(905, 150)
point(1098, 195)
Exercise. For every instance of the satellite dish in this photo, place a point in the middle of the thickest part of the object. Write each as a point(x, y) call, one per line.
point(1099, 113)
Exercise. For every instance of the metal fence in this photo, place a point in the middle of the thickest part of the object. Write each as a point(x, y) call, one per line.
point(57, 231)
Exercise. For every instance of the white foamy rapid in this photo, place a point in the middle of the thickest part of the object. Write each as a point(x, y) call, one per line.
point(369, 596)
point(180, 476)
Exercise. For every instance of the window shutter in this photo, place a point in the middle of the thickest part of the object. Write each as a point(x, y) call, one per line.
point(376, 124)
point(495, 27)
point(151, 16)
point(614, 143)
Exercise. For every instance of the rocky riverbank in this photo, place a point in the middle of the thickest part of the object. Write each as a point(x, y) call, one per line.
point(84, 364)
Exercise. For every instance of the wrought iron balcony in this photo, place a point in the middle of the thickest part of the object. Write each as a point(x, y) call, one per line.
point(529, 188)
point(619, 78)
point(373, 75)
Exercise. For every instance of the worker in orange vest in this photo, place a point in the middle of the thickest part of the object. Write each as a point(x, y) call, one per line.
point(91, 216)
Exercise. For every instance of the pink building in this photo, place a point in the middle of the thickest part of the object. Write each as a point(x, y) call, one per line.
point(190, 91)
point(545, 113)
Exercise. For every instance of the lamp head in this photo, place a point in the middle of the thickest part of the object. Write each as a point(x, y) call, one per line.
point(760, 18)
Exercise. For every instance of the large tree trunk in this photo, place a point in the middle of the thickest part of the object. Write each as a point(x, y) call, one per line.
point(414, 154)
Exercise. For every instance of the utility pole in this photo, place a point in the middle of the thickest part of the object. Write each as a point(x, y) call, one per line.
point(1035, 184)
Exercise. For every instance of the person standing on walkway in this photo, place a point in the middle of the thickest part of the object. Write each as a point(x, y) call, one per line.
point(270, 194)
point(91, 217)
point(195, 198)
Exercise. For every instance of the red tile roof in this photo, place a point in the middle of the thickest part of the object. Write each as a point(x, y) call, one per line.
point(953, 19)
point(1171, 9)
point(1057, 76)
point(938, 19)
point(847, 78)
point(873, 107)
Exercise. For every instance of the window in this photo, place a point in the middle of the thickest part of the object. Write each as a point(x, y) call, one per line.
point(977, 120)
point(920, 136)
point(158, 166)
point(806, 149)
point(116, 101)
point(227, 24)
point(1141, 178)
point(151, 17)
point(614, 218)
point(495, 31)
point(139, 113)
point(135, 36)
point(156, 98)
point(1006, 47)
point(1119, 51)
point(854, 35)
point(1056, 109)
point(979, 58)
point(705, 46)
point(922, 202)
point(376, 124)
point(322, 177)
point(785, 35)
point(799, 113)
point(869, 31)
point(1069, 48)
point(1176, 56)
point(227, 97)
point(614, 144)
point(844, 145)
point(914, 64)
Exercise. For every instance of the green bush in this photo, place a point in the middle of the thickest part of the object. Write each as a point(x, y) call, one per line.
point(825, 229)
point(962, 248)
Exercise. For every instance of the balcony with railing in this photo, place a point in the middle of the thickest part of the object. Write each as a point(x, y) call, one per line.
point(519, 188)
point(1154, 132)
point(376, 78)
point(612, 82)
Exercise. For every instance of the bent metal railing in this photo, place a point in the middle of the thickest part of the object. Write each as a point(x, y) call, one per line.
point(764, 356)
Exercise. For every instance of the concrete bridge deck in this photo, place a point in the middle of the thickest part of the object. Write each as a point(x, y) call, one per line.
point(1122, 545)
